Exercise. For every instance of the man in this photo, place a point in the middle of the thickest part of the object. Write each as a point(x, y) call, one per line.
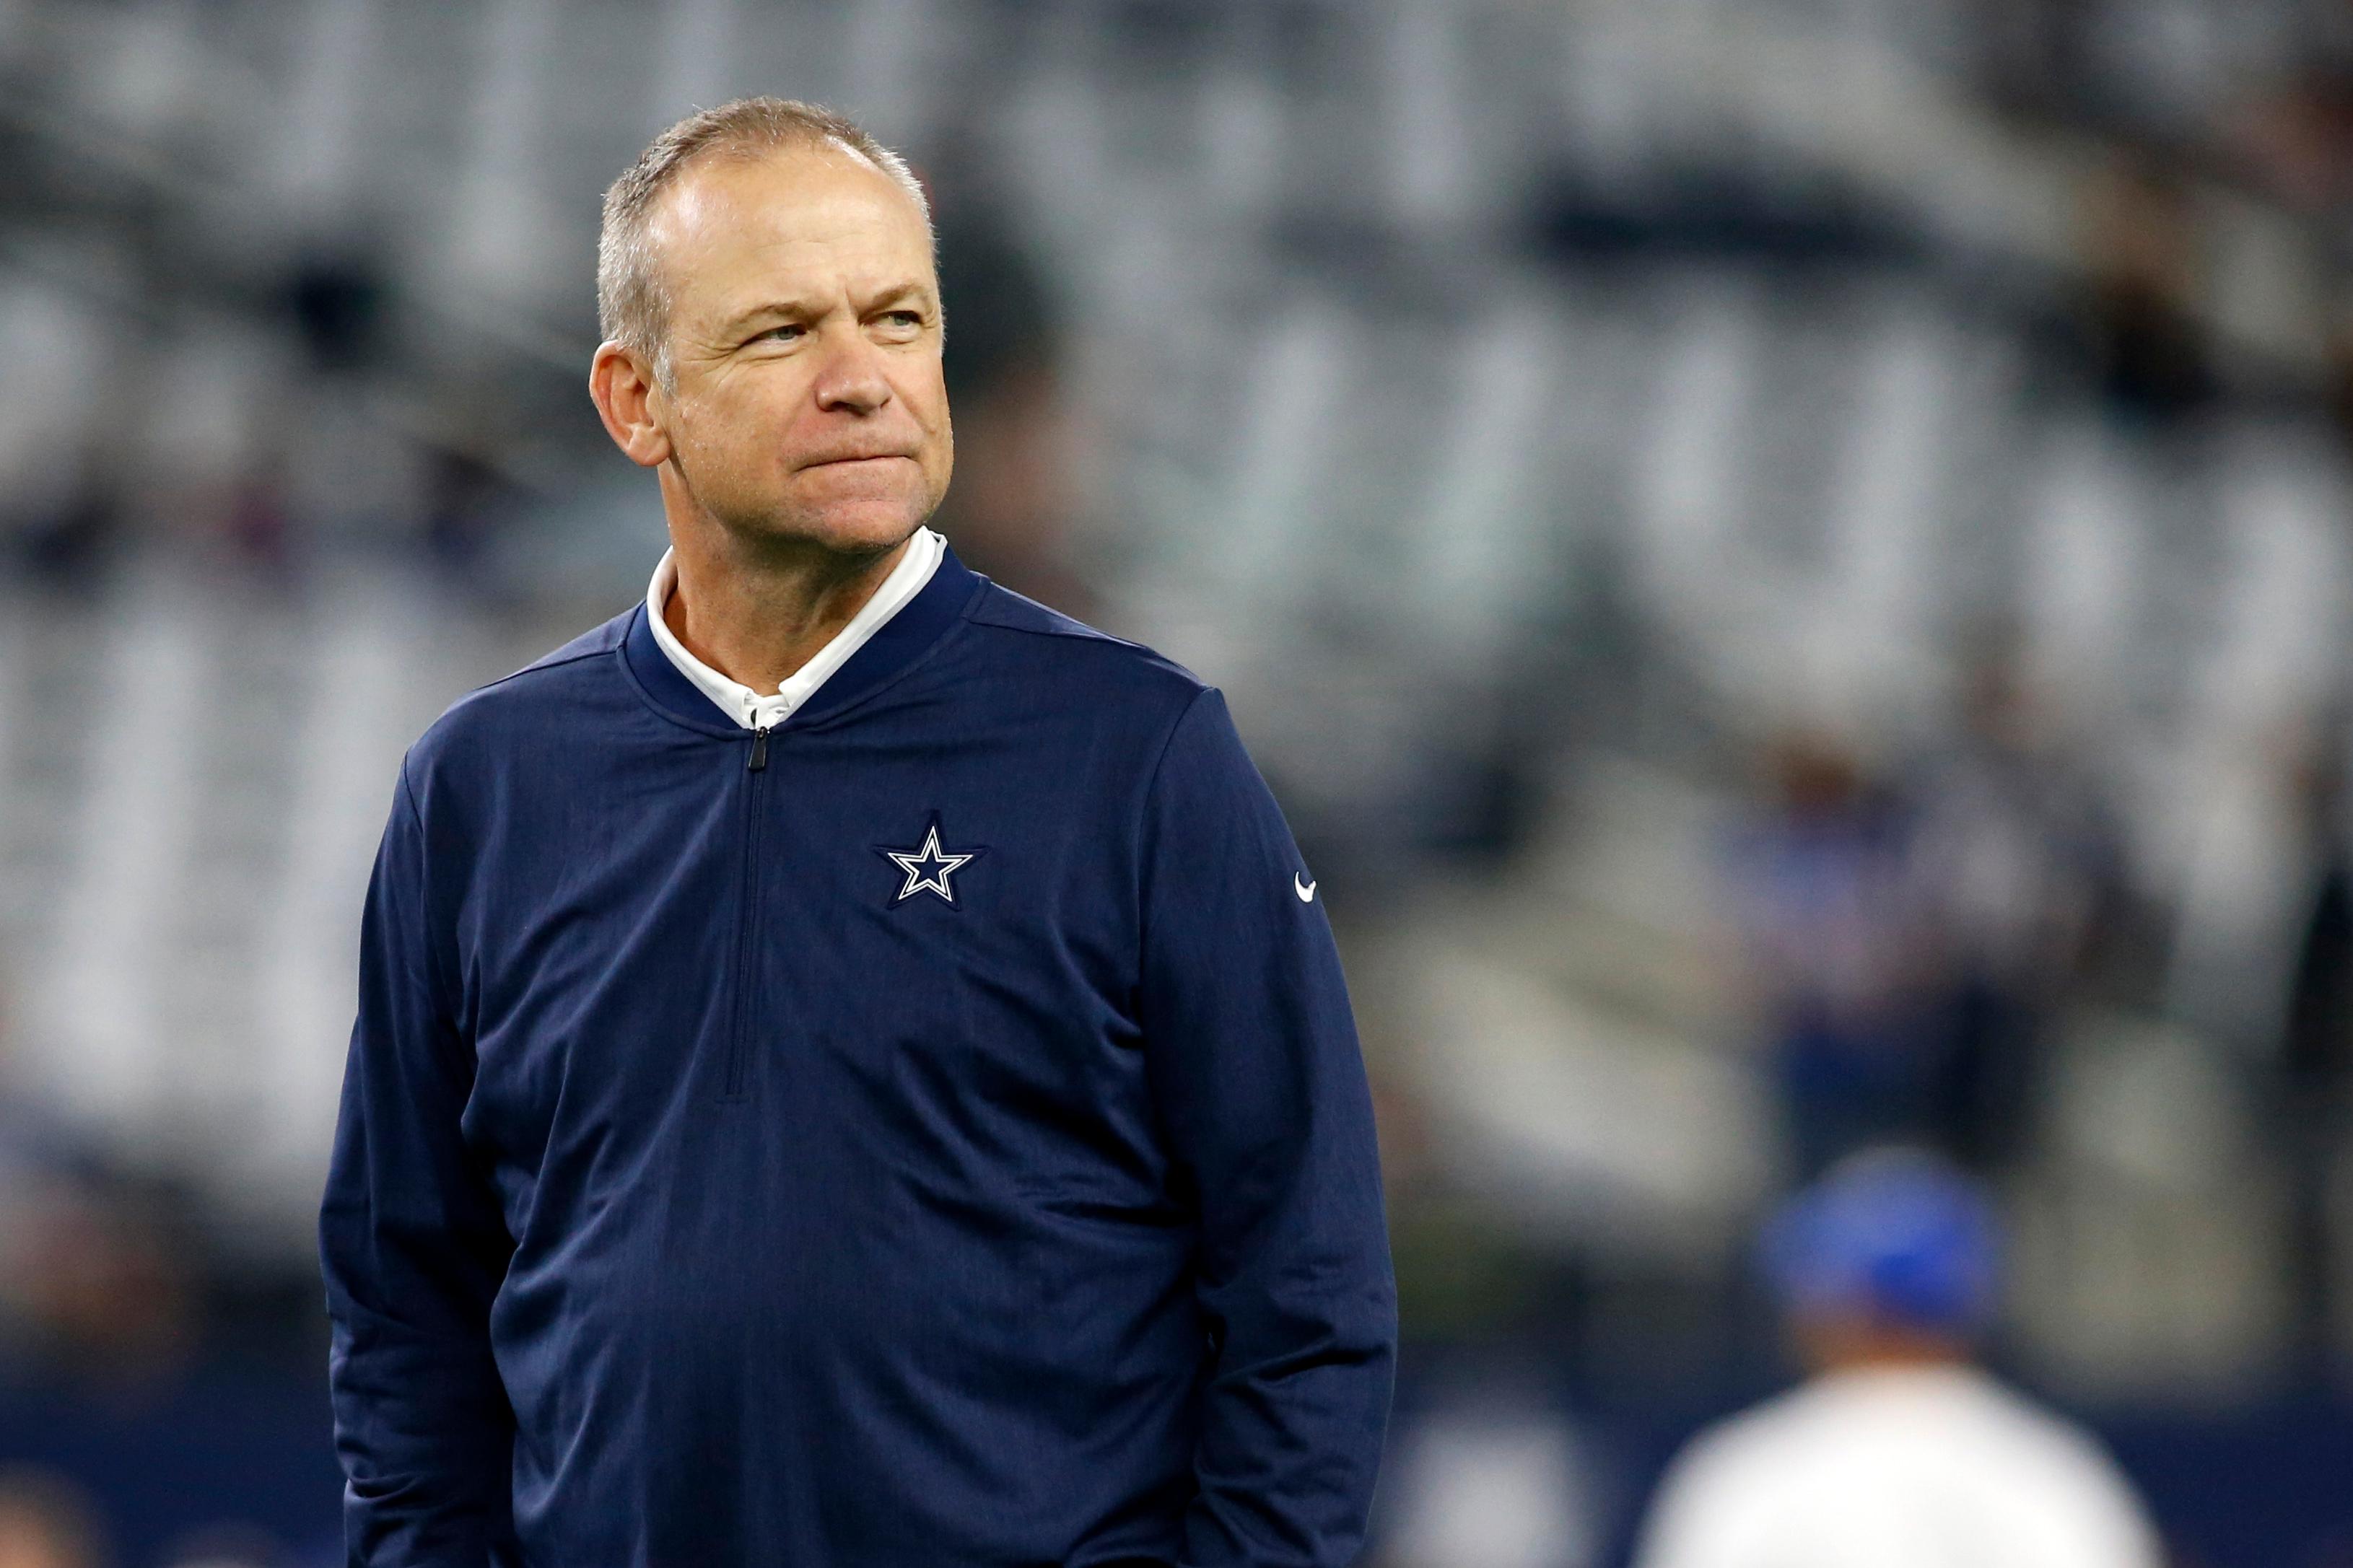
point(1897, 1451)
point(850, 1069)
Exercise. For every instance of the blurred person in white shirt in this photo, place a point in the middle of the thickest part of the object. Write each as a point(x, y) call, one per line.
point(1898, 1450)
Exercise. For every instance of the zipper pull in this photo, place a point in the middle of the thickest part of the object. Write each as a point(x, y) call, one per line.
point(759, 758)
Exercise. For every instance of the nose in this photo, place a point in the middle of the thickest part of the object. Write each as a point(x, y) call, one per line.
point(851, 379)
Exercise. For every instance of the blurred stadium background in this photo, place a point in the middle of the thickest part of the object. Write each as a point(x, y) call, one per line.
point(1791, 561)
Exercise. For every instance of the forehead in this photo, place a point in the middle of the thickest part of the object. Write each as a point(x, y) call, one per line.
point(789, 214)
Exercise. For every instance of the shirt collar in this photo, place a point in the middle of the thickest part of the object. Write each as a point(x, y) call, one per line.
point(757, 711)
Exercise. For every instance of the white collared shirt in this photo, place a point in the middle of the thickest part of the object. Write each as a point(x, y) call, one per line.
point(1896, 1467)
point(749, 708)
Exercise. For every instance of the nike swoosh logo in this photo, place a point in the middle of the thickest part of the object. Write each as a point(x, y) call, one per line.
point(1306, 890)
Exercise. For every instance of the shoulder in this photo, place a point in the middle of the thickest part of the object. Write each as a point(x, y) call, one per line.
point(1051, 635)
point(2050, 1478)
point(1106, 667)
point(1713, 1490)
point(2042, 1442)
point(1754, 1458)
point(556, 689)
point(1765, 1437)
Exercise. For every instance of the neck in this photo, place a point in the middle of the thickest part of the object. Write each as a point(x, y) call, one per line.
point(757, 613)
point(1842, 1343)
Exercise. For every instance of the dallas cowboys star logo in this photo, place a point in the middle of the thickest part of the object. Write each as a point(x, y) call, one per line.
point(927, 868)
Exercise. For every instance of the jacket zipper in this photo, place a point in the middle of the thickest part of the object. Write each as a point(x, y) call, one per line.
point(748, 920)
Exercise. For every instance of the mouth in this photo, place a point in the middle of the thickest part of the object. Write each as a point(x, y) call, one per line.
point(856, 458)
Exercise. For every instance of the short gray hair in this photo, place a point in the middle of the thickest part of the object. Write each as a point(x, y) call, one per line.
point(633, 298)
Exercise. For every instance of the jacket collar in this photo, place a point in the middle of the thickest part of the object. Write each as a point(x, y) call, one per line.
point(895, 646)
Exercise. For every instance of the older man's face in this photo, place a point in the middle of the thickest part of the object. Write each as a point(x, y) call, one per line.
point(804, 347)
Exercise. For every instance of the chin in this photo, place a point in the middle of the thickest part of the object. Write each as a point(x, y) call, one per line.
point(871, 513)
point(876, 514)
point(854, 530)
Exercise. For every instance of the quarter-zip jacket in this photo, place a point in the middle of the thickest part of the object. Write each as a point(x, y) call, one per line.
point(757, 709)
point(928, 1132)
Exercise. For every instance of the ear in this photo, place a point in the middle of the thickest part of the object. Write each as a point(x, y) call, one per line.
point(624, 390)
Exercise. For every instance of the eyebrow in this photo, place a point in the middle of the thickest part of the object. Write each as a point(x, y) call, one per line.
point(788, 309)
point(795, 310)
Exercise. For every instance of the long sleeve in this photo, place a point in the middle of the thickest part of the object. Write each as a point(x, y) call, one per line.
point(413, 1247)
point(1262, 1097)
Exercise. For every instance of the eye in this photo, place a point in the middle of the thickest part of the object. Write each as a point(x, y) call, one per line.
point(791, 331)
point(910, 320)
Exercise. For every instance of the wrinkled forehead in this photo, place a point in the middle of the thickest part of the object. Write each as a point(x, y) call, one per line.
point(736, 215)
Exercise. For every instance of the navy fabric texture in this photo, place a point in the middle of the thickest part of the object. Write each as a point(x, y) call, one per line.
point(931, 1133)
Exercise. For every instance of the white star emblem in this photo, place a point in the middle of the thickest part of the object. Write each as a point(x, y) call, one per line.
point(927, 868)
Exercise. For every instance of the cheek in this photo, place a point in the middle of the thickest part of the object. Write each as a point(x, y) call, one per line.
point(751, 423)
point(929, 398)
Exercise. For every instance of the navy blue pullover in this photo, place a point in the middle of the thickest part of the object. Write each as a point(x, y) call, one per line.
point(930, 1132)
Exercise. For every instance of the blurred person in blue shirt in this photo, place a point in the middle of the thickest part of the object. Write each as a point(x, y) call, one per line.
point(2021, 865)
point(1898, 1450)
point(1839, 942)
